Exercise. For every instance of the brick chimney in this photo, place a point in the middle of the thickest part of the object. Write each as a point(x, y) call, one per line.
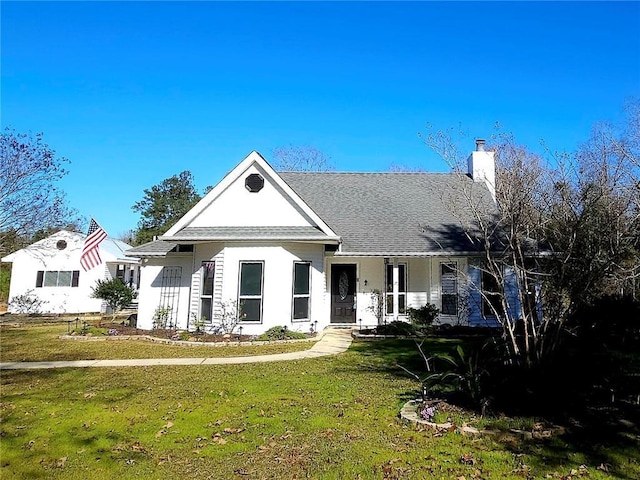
point(482, 167)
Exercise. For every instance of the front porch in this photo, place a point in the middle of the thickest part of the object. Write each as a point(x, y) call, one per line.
point(369, 291)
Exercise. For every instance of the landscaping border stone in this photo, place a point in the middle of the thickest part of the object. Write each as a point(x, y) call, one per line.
point(184, 343)
point(409, 414)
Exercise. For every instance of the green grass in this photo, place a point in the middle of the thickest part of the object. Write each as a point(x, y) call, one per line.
point(41, 342)
point(326, 418)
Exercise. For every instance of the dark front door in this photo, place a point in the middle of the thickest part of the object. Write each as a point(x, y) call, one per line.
point(343, 291)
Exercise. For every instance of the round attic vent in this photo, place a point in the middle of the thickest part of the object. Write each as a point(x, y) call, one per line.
point(61, 244)
point(254, 182)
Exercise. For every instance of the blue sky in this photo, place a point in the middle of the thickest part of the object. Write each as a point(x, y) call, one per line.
point(133, 93)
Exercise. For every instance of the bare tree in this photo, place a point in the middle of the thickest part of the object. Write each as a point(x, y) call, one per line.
point(303, 158)
point(126, 236)
point(30, 201)
point(402, 168)
point(563, 233)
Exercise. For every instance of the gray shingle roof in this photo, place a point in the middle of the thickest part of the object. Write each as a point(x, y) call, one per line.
point(250, 233)
point(395, 213)
point(373, 213)
point(157, 248)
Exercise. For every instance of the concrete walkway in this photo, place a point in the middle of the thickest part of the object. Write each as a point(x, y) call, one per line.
point(332, 342)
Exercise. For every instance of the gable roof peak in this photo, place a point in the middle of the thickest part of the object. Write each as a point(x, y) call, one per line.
point(256, 158)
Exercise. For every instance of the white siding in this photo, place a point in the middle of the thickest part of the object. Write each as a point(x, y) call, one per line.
point(371, 272)
point(277, 287)
point(205, 253)
point(44, 256)
point(237, 206)
point(278, 282)
point(419, 282)
point(150, 289)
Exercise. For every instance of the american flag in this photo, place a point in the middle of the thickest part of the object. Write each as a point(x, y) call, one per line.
point(91, 251)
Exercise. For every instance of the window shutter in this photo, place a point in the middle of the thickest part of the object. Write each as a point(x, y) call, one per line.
point(39, 278)
point(75, 278)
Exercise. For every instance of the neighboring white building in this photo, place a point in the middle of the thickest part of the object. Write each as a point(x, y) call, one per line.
point(308, 249)
point(50, 270)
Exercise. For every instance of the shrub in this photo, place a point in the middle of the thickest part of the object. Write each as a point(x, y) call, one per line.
point(464, 373)
point(28, 303)
point(228, 316)
point(397, 328)
point(161, 317)
point(423, 316)
point(614, 320)
point(115, 293)
point(280, 333)
point(376, 306)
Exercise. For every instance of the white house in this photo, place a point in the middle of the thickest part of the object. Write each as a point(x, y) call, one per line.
point(50, 271)
point(311, 249)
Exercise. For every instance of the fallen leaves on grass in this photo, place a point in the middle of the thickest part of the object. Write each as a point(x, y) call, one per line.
point(165, 428)
point(581, 471)
point(217, 438)
point(392, 471)
point(468, 459)
point(231, 431)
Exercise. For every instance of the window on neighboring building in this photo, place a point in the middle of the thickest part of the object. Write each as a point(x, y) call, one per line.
point(120, 273)
point(402, 288)
point(449, 288)
point(57, 278)
point(301, 290)
point(491, 295)
point(206, 292)
point(250, 292)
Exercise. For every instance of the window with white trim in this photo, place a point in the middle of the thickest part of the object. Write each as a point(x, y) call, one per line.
point(402, 288)
point(250, 291)
point(449, 288)
point(206, 291)
point(301, 290)
point(55, 278)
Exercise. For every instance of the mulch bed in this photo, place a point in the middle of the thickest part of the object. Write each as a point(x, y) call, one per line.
point(170, 334)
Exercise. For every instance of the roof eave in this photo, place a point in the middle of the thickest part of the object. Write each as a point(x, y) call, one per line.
point(231, 238)
point(439, 253)
point(146, 254)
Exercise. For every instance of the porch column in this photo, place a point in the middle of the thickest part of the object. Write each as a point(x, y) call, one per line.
point(396, 283)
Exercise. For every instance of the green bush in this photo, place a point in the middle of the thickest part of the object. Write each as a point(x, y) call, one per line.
point(397, 328)
point(115, 293)
point(280, 333)
point(423, 316)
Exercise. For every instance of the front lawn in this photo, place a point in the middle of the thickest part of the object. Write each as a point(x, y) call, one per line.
point(41, 342)
point(326, 418)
